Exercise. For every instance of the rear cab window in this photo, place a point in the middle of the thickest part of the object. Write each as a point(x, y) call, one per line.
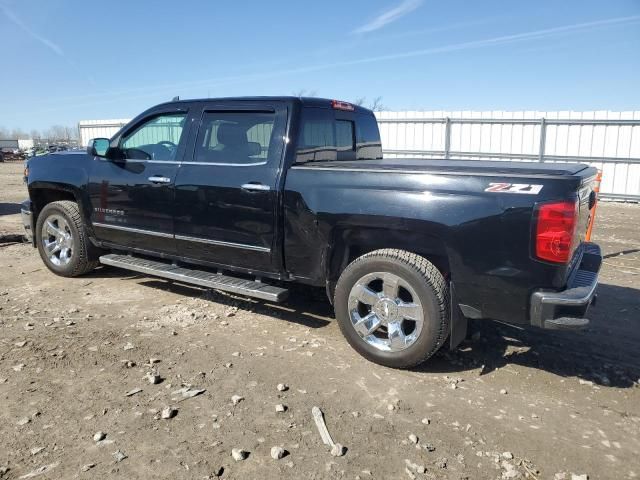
point(327, 135)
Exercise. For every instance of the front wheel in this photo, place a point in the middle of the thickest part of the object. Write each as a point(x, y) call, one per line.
point(62, 240)
point(392, 307)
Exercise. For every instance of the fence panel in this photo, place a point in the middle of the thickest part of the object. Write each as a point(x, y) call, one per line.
point(609, 141)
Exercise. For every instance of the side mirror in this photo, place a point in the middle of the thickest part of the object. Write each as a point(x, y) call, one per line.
point(98, 147)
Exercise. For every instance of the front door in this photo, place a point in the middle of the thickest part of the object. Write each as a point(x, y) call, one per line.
point(132, 198)
point(227, 192)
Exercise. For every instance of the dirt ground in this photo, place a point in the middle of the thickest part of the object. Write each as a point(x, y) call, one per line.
point(509, 403)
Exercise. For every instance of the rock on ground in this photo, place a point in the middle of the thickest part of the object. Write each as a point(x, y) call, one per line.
point(277, 453)
point(239, 454)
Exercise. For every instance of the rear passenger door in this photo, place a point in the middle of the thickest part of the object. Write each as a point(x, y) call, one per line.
point(226, 191)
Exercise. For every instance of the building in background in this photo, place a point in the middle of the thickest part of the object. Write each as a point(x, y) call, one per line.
point(88, 129)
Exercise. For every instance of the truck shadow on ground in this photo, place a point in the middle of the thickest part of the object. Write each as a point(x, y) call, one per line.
point(606, 354)
point(11, 238)
point(306, 306)
point(9, 208)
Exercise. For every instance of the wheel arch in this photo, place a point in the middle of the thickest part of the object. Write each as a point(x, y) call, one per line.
point(43, 193)
point(348, 244)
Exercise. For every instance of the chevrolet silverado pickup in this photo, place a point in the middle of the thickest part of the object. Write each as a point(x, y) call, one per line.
point(247, 195)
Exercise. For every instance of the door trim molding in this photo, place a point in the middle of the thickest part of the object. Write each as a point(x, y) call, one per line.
point(186, 238)
point(133, 230)
point(209, 241)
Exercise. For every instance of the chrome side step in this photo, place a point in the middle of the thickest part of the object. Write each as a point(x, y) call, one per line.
point(197, 277)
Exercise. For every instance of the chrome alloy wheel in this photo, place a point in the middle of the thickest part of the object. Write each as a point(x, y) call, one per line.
point(57, 240)
point(385, 311)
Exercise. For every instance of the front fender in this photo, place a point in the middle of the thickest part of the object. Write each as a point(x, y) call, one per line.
point(57, 177)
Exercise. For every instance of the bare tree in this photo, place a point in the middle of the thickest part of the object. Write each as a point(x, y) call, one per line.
point(70, 133)
point(376, 105)
point(57, 133)
point(18, 134)
point(304, 93)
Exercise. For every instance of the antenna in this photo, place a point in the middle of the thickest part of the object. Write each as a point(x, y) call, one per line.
point(175, 99)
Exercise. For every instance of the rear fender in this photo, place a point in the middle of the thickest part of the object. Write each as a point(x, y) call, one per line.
point(346, 245)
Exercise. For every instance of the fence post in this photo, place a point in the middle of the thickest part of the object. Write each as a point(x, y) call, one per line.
point(543, 139)
point(447, 137)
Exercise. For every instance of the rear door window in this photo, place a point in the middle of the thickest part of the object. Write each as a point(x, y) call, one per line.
point(235, 138)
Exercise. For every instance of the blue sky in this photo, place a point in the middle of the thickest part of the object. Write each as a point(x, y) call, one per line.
point(68, 60)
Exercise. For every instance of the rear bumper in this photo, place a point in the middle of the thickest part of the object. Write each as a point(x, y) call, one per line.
point(27, 219)
point(566, 309)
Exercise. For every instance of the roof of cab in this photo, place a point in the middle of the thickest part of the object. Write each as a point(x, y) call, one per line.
point(303, 101)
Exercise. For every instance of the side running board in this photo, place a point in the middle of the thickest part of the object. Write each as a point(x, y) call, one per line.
point(201, 278)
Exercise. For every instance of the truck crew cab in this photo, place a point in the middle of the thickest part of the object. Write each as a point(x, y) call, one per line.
point(249, 194)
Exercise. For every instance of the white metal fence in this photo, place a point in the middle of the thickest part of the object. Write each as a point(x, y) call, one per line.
point(608, 140)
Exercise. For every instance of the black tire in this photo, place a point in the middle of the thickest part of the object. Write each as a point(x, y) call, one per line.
point(431, 289)
point(83, 257)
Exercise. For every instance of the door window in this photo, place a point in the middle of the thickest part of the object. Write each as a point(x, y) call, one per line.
point(235, 138)
point(155, 139)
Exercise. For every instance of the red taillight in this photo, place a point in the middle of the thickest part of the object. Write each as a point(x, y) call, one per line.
point(555, 231)
point(338, 105)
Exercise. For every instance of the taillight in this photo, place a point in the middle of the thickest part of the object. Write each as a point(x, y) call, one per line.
point(555, 231)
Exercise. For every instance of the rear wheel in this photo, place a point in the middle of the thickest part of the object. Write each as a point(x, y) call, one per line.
point(62, 240)
point(392, 307)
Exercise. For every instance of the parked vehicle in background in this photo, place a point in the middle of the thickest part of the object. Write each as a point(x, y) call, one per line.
point(9, 150)
point(249, 194)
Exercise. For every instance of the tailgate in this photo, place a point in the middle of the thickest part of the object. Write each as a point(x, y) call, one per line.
point(586, 199)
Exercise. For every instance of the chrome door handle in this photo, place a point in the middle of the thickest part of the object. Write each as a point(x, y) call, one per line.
point(159, 179)
point(256, 187)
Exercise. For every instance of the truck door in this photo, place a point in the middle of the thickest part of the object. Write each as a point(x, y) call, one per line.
point(226, 193)
point(132, 198)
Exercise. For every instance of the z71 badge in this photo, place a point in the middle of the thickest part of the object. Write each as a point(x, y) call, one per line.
point(514, 188)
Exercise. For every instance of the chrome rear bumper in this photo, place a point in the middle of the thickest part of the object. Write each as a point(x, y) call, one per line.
point(566, 309)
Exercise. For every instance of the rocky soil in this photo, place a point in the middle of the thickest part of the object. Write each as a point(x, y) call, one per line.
point(116, 375)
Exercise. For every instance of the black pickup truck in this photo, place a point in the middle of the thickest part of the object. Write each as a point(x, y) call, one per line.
point(248, 194)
